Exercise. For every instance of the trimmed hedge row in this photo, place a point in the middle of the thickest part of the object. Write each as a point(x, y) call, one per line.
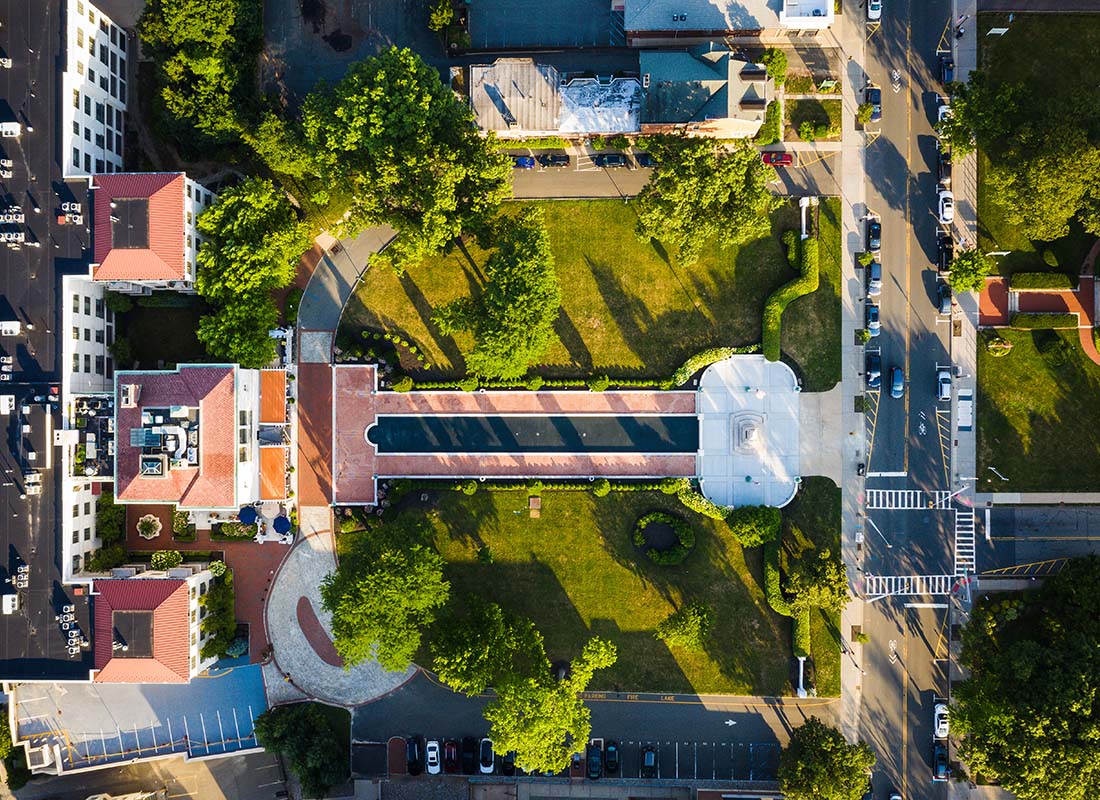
point(778, 301)
point(1050, 281)
point(800, 640)
point(752, 526)
point(1043, 321)
point(594, 383)
point(772, 590)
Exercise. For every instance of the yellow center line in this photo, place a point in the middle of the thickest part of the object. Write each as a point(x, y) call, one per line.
point(908, 238)
point(940, 637)
point(905, 715)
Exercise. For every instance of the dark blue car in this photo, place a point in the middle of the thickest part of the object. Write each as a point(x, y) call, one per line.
point(523, 162)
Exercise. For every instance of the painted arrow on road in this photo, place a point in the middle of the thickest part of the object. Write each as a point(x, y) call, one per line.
point(730, 722)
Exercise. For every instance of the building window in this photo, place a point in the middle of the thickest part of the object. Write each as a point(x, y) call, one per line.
point(91, 76)
point(87, 508)
point(76, 303)
point(118, 120)
point(118, 143)
point(193, 592)
point(88, 105)
point(193, 617)
point(188, 191)
point(202, 612)
point(99, 165)
point(122, 68)
point(242, 457)
point(99, 365)
point(76, 537)
point(91, 16)
point(114, 58)
point(114, 86)
point(87, 163)
point(87, 338)
point(87, 305)
point(80, 34)
point(209, 198)
point(114, 37)
point(88, 134)
point(99, 140)
point(87, 534)
point(99, 111)
point(76, 153)
point(80, 68)
point(76, 98)
point(103, 82)
point(76, 563)
point(189, 218)
point(80, 8)
point(194, 639)
point(87, 362)
point(122, 44)
point(76, 128)
point(76, 333)
point(76, 511)
point(193, 664)
point(99, 337)
point(99, 307)
point(122, 91)
point(76, 362)
point(203, 587)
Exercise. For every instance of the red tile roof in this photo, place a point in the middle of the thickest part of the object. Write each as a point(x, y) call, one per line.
point(163, 259)
point(168, 600)
point(213, 483)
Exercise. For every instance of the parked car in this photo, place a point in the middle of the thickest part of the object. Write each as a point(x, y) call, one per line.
point(469, 755)
point(523, 162)
point(450, 756)
point(943, 110)
point(944, 299)
point(610, 160)
point(897, 383)
point(874, 279)
point(947, 70)
point(487, 760)
point(645, 160)
point(940, 714)
point(939, 762)
point(414, 754)
point(874, 326)
point(593, 755)
point(873, 96)
point(611, 756)
point(874, 370)
point(874, 10)
point(895, 795)
point(554, 159)
point(778, 159)
point(874, 236)
point(649, 762)
point(943, 166)
point(945, 252)
point(433, 760)
point(943, 395)
point(947, 206)
point(508, 763)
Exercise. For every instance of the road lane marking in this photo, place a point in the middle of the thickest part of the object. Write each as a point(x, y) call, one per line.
point(908, 236)
point(901, 474)
point(926, 605)
point(870, 408)
point(905, 715)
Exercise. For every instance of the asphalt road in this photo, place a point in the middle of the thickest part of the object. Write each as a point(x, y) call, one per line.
point(907, 435)
point(696, 738)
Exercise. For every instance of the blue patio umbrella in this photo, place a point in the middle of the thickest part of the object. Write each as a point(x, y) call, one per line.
point(247, 515)
point(281, 525)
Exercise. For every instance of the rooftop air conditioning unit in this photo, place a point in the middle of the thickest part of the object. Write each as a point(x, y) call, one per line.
point(129, 395)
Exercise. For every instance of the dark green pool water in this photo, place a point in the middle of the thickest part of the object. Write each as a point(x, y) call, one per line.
point(536, 434)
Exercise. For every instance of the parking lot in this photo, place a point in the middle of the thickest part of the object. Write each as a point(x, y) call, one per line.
point(691, 760)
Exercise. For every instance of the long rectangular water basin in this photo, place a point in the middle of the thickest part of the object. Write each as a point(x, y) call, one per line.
point(535, 434)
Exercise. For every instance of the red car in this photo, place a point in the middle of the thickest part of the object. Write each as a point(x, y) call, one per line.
point(778, 159)
point(450, 756)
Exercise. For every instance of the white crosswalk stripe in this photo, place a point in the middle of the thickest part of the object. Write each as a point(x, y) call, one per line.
point(905, 499)
point(965, 558)
point(876, 586)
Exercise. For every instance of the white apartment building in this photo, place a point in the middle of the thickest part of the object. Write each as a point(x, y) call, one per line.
point(94, 91)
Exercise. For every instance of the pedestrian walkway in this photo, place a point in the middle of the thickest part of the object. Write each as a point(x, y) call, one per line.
point(905, 499)
point(965, 560)
point(300, 658)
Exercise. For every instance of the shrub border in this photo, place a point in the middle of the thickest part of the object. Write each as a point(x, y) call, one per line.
point(674, 555)
point(1043, 281)
point(777, 302)
point(1049, 322)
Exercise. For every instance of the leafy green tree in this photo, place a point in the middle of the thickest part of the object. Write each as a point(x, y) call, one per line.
point(776, 62)
point(279, 146)
point(220, 622)
point(982, 114)
point(864, 112)
point(441, 15)
point(543, 719)
point(818, 764)
point(486, 648)
point(1027, 713)
point(816, 579)
point(704, 191)
point(384, 593)
point(238, 332)
point(513, 318)
point(5, 737)
point(253, 242)
point(752, 526)
point(969, 269)
point(314, 749)
point(406, 149)
point(687, 627)
point(166, 559)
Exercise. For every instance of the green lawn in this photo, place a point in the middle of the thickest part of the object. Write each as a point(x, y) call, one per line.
point(164, 334)
point(1011, 59)
point(1037, 417)
point(815, 512)
point(576, 573)
point(627, 308)
point(817, 112)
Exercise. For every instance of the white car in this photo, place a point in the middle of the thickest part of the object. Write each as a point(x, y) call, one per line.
point(941, 720)
point(432, 759)
point(947, 207)
point(943, 111)
point(487, 759)
point(874, 10)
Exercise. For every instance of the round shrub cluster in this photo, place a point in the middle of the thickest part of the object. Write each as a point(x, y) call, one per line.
point(685, 536)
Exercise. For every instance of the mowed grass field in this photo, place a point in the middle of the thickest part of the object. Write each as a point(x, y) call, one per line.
point(628, 308)
point(1037, 415)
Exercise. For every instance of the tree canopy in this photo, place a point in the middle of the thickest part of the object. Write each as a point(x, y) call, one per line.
point(818, 764)
point(253, 242)
point(1029, 710)
point(487, 647)
point(969, 269)
point(686, 627)
point(513, 317)
point(205, 50)
point(702, 190)
point(542, 719)
point(384, 593)
point(238, 332)
point(406, 149)
point(314, 750)
point(816, 579)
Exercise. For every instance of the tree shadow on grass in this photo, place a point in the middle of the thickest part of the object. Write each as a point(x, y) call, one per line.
point(573, 340)
point(465, 516)
point(445, 344)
